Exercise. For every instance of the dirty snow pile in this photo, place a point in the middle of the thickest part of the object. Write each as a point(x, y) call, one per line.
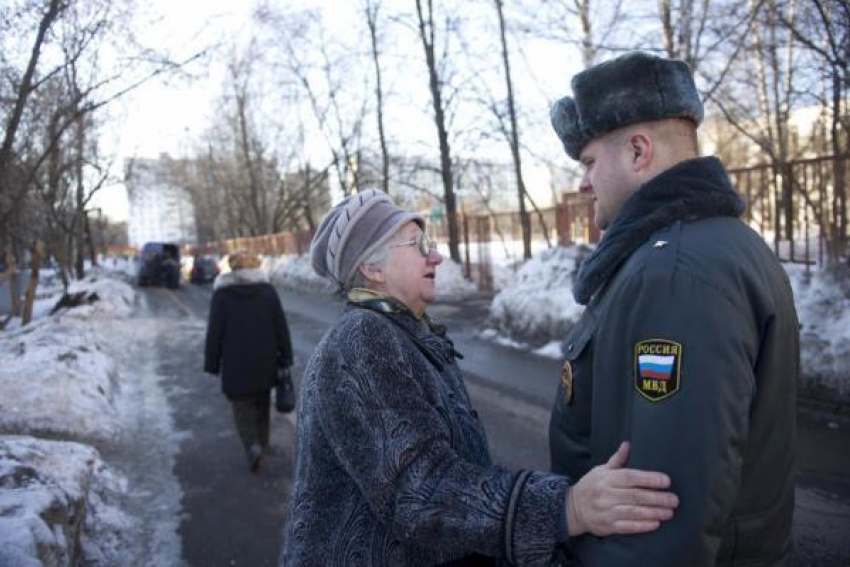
point(537, 306)
point(450, 283)
point(296, 273)
point(53, 496)
point(58, 382)
point(823, 307)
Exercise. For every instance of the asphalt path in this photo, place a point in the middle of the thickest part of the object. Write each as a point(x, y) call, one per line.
point(233, 517)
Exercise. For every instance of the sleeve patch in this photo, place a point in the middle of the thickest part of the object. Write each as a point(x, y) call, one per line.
point(657, 368)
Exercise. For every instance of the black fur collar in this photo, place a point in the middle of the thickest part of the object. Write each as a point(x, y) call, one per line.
point(694, 189)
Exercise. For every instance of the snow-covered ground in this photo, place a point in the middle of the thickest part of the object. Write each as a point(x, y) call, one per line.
point(536, 308)
point(823, 307)
point(77, 388)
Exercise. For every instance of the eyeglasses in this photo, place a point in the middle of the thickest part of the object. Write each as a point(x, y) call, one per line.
point(422, 240)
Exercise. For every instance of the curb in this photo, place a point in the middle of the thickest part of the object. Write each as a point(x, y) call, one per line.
point(836, 406)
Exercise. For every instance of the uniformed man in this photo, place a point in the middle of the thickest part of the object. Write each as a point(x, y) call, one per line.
point(689, 343)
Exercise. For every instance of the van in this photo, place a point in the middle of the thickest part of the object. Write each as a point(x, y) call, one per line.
point(200, 269)
point(159, 264)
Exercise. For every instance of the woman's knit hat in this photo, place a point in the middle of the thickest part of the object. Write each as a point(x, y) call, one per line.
point(353, 230)
point(635, 87)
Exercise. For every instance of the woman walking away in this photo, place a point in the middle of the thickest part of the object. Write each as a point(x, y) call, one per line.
point(248, 342)
point(392, 466)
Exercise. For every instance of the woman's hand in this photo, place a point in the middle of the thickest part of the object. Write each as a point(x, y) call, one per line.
point(611, 499)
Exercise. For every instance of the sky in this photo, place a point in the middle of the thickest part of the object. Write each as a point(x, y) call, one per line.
point(162, 115)
point(169, 116)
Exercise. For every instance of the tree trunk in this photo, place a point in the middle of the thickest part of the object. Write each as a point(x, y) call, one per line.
point(839, 200)
point(90, 242)
point(80, 209)
point(427, 37)
point(61, 255)
point(372, 20)
point(37, 253)
point(588, 49)
point(258, 224)
point(14, 282)
point(665, 12)
point(524, 220)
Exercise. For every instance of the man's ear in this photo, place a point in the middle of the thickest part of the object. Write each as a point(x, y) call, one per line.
point(372, 273)
point(642, 150)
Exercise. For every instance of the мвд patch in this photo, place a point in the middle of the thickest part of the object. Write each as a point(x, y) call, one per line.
point(657, 368)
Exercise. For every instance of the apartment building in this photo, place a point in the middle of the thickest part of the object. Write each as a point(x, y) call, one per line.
point(160, 208)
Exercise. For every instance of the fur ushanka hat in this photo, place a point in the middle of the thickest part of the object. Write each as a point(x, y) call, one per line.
point(636, 87)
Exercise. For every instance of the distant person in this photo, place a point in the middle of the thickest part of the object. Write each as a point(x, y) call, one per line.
point(392, 466)
point(248, 342)
point(689, 345)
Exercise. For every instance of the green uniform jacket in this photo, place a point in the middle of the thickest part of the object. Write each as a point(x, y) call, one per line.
point(689, 349)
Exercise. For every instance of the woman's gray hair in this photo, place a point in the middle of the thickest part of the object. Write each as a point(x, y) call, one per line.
point(377, 258)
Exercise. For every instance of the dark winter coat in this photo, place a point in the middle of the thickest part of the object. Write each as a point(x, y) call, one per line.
point(247, 334)
point(392, 466)
point(689, 348)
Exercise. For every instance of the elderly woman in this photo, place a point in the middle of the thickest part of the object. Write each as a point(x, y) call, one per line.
point(392, 465)
point(247, 342)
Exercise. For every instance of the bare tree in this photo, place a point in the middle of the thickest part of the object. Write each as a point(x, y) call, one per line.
point(372, 9)
point(314, 66)
point(427, 35)
point(591, 26)
point(24, 89)
point(822, 28)
point(680, 39)
point(514, 135)
point(77, 33)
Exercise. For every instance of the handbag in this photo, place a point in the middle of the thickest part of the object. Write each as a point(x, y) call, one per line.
point(284, 391)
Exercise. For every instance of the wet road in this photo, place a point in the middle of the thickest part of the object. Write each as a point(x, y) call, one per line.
point(231, 517)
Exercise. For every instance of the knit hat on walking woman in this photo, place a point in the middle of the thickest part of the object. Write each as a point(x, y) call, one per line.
point(353, 230)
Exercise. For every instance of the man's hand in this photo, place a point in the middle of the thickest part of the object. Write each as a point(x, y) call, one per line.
point(611, 499)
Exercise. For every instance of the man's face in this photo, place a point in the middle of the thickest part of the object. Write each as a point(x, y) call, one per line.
point(608, 176)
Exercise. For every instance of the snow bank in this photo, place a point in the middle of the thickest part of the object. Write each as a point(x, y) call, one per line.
point(58, 378)
point(57, 382)
point(115, 298)
point(54, 494)
point(450, 283)
point(537, 306)
point(296, 273)
point(60, 504)
point(823, 307)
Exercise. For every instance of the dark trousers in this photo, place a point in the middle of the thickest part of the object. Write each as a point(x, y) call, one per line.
point(251, 415)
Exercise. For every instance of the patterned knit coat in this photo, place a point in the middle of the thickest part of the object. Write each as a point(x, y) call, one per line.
point(392, 465)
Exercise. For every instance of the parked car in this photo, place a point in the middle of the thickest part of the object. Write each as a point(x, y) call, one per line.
point(159, 264)
point(202, 269)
